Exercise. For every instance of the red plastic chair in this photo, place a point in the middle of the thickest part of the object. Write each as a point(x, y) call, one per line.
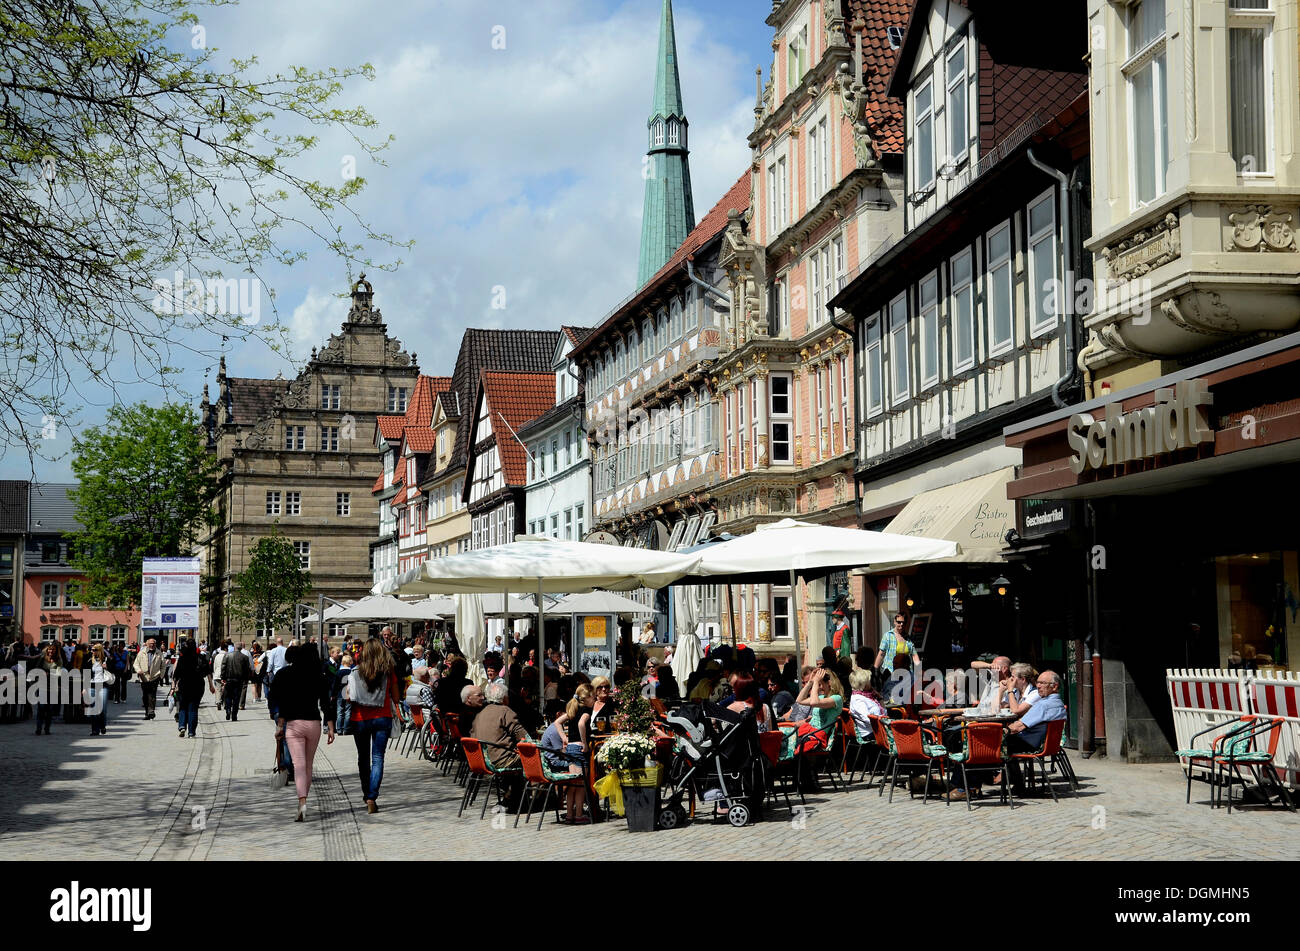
point(478, 771)
point(911, 749)
point(982, 747)
point(539, 776)
point(1050, 749)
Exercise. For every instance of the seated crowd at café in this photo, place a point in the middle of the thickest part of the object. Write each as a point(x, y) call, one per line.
point(805, 706)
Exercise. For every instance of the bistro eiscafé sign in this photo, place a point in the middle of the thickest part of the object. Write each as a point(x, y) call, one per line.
point(1178, 420)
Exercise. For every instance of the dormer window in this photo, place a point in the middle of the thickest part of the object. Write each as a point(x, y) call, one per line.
point(658, 133)
point(674, 132)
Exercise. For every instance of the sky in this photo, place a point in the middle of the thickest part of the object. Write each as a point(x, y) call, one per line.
point(515, 168)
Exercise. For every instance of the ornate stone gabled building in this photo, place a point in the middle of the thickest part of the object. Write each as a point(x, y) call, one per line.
point(302, 454)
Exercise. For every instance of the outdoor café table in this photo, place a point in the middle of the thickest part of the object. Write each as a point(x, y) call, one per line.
point(952, 730)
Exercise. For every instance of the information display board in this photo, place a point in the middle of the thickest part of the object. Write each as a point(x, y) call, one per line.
point(169, 596)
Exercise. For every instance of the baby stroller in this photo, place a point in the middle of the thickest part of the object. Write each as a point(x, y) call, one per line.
point(717, 757)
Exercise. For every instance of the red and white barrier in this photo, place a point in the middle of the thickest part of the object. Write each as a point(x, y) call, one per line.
point(1278, 695)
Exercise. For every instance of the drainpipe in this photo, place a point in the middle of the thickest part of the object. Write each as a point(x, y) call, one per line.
point(1067, 241)
point(708, 288)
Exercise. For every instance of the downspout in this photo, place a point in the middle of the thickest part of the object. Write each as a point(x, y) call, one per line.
point(1067, 241)
point(708, 288)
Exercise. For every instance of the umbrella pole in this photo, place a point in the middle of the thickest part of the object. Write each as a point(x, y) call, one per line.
point(794, 602)
point(541, 688)
point(731, 616)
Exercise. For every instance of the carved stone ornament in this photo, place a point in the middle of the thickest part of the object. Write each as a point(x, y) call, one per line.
point(259, 437)
point(810, 496)
point(1261, 228)
point(841, 487)
point(333, 351)
point(780, 501)
point(393, 353)
point(296, 396)
point(1145, 250)
point(362, 311)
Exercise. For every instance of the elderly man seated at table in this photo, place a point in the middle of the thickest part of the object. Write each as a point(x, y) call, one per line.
point(496, 724)
point(420, 693)
point(993, 696)
point(1028, 733)
point(472, 700)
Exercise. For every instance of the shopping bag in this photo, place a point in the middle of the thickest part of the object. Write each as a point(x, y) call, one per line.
point(279, 775)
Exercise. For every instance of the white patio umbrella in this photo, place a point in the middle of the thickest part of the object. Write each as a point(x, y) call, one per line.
point(385, 607)
point(439, 606)
point(544, 564)
point(331, 612)
point(507, 605)
point(599, 602)
point(687, 654)
point(778, 552)
point(471, 634)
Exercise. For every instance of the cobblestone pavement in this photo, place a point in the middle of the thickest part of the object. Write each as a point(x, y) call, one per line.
point(143, 793)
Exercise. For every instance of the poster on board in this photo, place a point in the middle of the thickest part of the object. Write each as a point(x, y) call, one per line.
point(169, 596)
point(596, 652)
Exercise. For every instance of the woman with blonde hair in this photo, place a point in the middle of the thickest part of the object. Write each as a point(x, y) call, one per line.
point(574, 724)
point(373, 695)
point(603, 707)
point(97, 693)
point(1019, 688)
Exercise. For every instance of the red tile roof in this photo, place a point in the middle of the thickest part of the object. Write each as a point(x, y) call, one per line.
point(420, 440)
point(577, 334)
point(884, 114)
point(390, 427)
point(518, 398)
point(379, 485)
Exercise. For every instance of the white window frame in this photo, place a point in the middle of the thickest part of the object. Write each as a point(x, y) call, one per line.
point(873, 367)
point(51, 596)
point(928, 332)
point(343, 504)
point(814, 277)
point(397, 399)
point(295, 438)
point(675, 320)
point(1252, 18)
point(273, 502)
point(329, 439)
point(781, 593)
point(958, 90)
point(1138, 61)
point(846, 411)
point(998, 347)
point(303, 551)
point(692, 310)
point(1040, 322)
point(962, 324)
point(293, 503)
point(924, 177)
point(329, 395)
point(898, 333)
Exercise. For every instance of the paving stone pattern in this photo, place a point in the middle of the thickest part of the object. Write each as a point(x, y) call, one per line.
point(141, 792)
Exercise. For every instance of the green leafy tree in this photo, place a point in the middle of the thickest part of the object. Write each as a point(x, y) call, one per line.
point(147, 484)
point(128, 157)
point(266, 592)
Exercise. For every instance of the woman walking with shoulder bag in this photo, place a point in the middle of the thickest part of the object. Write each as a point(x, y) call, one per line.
point(373, 695)
point(302, 702)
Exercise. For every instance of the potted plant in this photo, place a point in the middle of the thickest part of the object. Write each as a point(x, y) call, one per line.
point(628, 755)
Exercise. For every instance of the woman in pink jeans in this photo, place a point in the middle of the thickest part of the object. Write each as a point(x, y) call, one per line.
point(302, 694)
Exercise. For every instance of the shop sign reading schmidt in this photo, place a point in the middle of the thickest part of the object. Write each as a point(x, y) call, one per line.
point(1178, 420)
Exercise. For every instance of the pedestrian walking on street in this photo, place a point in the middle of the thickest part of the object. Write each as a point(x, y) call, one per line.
point(235, 673)
point(259, 671)
point(191, 672)
point(97, 694)
point(302, 695)
point(51, 664)
point(149, 666)
point(117, 663)
point(372, 690)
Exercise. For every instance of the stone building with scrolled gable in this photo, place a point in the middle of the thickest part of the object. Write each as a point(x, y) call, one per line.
point(301, 453)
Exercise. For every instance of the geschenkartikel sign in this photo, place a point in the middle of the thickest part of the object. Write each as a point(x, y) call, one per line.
point(1178, 420)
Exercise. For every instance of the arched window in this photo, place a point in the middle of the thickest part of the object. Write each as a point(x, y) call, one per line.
point(659, 133)
point(673, 137)
point(675, 323)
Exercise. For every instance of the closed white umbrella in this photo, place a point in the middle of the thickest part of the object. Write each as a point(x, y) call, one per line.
point(471, 634)
point(687, 653)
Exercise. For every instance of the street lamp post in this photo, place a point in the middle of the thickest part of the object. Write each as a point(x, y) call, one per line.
point(320, 619)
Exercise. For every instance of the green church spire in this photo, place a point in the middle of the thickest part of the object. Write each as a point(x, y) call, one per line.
point(669, 211)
